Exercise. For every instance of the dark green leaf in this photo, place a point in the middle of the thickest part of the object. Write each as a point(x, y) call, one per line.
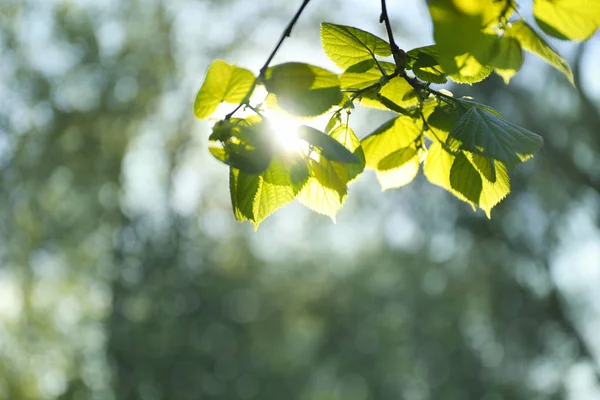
point(465, 179)
point(480, 131)
point(508, 57)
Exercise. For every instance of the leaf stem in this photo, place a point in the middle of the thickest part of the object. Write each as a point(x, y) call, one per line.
point(286, 33)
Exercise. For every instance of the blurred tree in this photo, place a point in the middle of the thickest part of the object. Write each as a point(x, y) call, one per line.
point(110, 289)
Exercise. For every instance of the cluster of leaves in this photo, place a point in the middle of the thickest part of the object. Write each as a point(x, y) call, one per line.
point(466, 147)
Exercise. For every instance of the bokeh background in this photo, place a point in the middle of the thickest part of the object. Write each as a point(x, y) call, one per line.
point(123, 274)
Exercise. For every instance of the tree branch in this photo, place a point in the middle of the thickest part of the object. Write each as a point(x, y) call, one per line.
point(397, 53)
point(286, 33)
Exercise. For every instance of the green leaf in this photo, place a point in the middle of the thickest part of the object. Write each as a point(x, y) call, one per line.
point(465, 48)
point(360, 80)
point(475, 65)
point(255, 197)
point(468, 102)
point(567, 19)
point(329, 147)
point(398, 158)
point(347, 46)
point(485, 166)
point(508, 58)
point(425, 64)
point(400, 176)
point(327, 186)
point(325, 190)
point(441, 122)
point(400, 92)
point(223, 82)
point(451, 172)
point(480, 131)
point(246, 144)
point(531, 41)
point(350, 80)
point(395, 134)
point(465, 179)
point(303, 90)
point(280, 183)
point(492, 191)
point(243, 189)
point(345, 136)
point(362, 66)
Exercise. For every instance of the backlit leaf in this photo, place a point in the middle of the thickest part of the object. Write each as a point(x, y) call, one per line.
point(425, 64)
point(303, 90)
point(568, 19)
point(465, 179)
point(325, 190)
point(347, 46)
point(393, 135)
point(345, 136)
point(246, 144)
point(329, 147)
point(400, 176)
point(243, 188)
point(508, 58)
point(531, 41)
point(279, 185)
point(223, 82)
point(400, 92)
point(398, 158)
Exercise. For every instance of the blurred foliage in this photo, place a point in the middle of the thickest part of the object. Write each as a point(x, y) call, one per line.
point(111, 288)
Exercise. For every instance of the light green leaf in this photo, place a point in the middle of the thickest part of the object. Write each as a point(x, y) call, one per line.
point(329, 147)
point(400, 176)
point(465, 48)
point(399, 92)
point(480, 131)
point(279, 185)
point(475, 65)
point(495, 191)
point(325, 191)
point(345, 136)
point(349, 80)
point(254, 197)
point(485, 166)
point(395, 134)
point(508, 58)
point(531, 41)
point(303, 90)
point(347, 46)
point(327, 186)
point(568, 19)
point(223, 82)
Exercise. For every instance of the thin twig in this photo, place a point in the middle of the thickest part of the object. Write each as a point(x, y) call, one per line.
point(286, 33)
point(397, 53)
